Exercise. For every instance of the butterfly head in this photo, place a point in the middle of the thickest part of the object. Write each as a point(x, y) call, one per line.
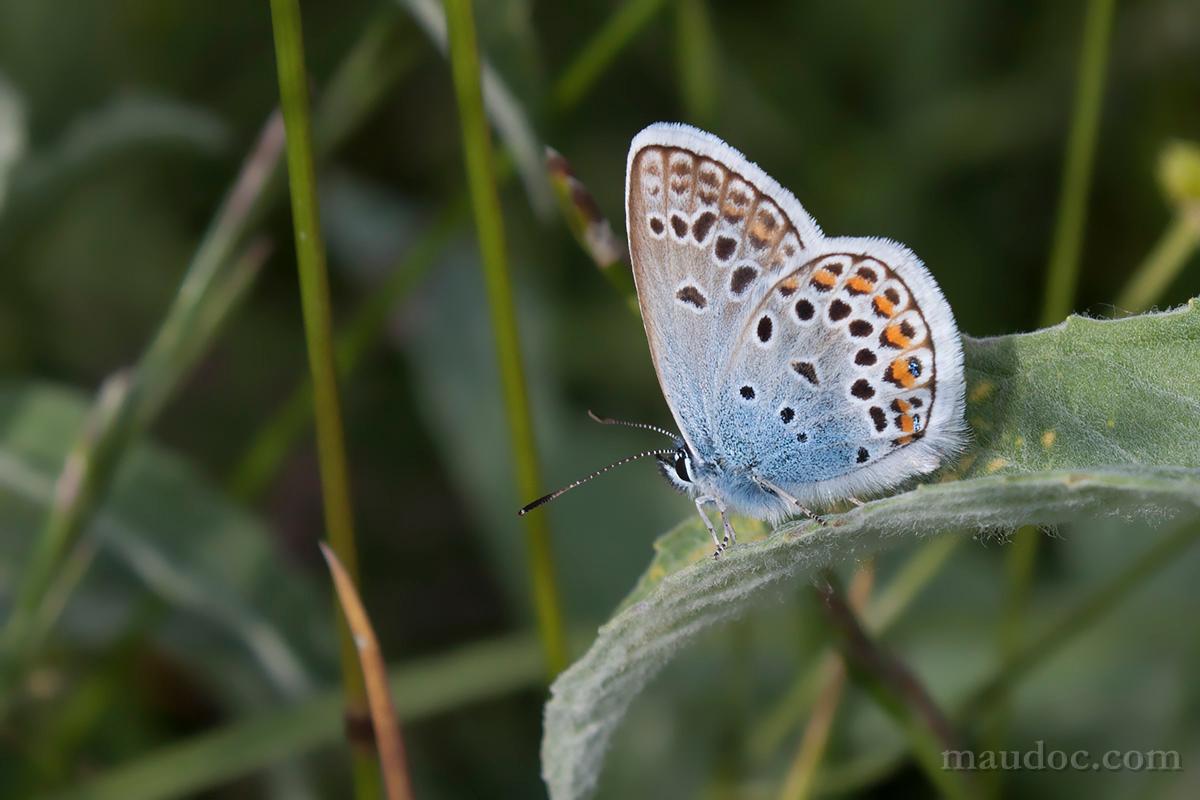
point(678, 467)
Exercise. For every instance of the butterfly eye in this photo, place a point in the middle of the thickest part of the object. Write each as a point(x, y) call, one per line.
point(681, 467)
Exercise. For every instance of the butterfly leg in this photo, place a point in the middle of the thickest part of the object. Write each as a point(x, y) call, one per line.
point(776, 490)
point(730, 535)
point(700, 501)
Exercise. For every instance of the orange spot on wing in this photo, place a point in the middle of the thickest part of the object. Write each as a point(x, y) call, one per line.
point(900, 373)
point(825, 278)
point(895, 336)
point(883, 306)
point(760, 230)
point(859, 285)
point(906, 423)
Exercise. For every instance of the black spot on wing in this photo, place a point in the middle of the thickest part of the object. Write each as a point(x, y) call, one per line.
point(862, 389)
point(692, 296)
point(742, 277)
point(765, 327)
point(806, 370)
point(838, 310)
point(703, 225)
point(725, 247)
point(860, 328)
point(679, 225)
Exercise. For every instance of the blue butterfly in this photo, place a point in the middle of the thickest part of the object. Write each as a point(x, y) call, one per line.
point(800, 369)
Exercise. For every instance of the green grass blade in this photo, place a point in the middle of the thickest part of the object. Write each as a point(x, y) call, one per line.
point(698, 61)
point(620, 29)
point(1062, 273)
point(485, 201)
point(502, 107)
point(318, 330)
point(75, 488)
point(166, 537)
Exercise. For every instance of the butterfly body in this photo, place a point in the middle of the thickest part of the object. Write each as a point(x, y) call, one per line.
point(800, 369)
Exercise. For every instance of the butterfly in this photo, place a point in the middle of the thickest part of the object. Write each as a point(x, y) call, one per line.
point(801, 369)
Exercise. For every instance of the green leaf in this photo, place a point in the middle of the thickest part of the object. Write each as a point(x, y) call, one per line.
point(237, 607)
point(1087, 417)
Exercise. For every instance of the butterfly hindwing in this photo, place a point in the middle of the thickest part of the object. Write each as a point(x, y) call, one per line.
point(847, 375)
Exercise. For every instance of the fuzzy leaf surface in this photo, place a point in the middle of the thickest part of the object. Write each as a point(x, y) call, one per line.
point(1089, 417)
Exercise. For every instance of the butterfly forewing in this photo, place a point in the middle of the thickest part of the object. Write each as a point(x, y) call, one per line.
point(706, 244)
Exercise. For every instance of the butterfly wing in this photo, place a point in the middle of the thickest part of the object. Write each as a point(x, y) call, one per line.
point(856, 366)
point(705, 242)
point(825, 366)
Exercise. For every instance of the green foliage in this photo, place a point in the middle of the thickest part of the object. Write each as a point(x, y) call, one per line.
point(481, 671)
point(1089, 417)
point(178, 642)
point(236, 608)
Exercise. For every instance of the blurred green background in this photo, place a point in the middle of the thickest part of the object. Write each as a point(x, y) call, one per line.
point(203, 602)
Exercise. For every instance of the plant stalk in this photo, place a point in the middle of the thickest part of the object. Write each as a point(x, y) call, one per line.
point(389, 740)
point(489, 223)
point(1063, 270)
point(801, 776)
point(1152, 277)
point(318, 326)
point(897, 690)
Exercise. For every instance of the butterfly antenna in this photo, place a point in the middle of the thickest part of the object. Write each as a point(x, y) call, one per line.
point(541, 501)
point(643, 425)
